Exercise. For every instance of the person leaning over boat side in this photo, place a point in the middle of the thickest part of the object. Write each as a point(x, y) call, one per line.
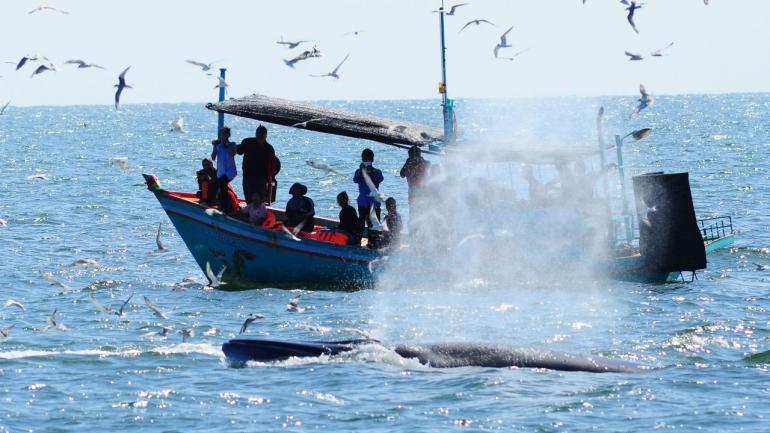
point(259, 164)
point(348, 219)
point(365, 200)
point(300, 209)
point(207, 182)
point(414, 170)
point(224, 155)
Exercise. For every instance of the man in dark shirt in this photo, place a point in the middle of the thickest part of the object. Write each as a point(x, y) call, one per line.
point(259, 164)
point(300, 209)
point(348, 219)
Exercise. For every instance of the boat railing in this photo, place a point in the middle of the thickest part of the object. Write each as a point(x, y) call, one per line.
point(716, 227)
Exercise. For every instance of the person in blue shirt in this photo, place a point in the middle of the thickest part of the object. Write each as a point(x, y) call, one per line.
point(223, 153)
point(365, 198)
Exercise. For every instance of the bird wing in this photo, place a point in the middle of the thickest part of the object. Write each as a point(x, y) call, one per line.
point(74, 62)
point(631, 20)
point(484, 21)
point(122, 76)
point(117, 94)
point(338, 66)
point(199, 64)
point(503, 40)
point(157, 238)
point(497, 49)
point(643, 91)
point(466, 25)
point(2, 110)
point(452, 9)
point(120, 312)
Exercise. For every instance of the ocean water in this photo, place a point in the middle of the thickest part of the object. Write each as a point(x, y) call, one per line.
point(709, 340)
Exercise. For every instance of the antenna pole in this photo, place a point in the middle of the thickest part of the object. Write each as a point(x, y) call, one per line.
point(220, 115)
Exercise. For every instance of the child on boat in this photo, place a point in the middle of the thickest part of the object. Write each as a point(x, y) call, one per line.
point(365, 199)
point(207, 182)
point(393, 221)
point(256, 210)
point(348, 219)
point(300, 209)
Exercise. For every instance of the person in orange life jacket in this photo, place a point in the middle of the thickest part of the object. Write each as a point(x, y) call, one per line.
point(365, 201)
point(223, 153)
point(414, 170)
point(207, 182)
point(256, 210)
point(300, 209)
point(348, 219)
point(260, 164)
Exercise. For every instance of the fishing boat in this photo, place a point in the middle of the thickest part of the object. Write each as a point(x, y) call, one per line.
point(658, 241)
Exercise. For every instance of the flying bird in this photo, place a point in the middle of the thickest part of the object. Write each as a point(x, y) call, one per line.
point(48, 8)
point(53, 323)
point(334, 73)
point(478, 22)
point(634, 57)
point(513, 57)
point(33, 58)
point(205, 67)
point(5, 331)
point(304, 124)
point(632, 7)
point(121, 85)
point(178, 124)
point(99, 307)
point(645, 101)
point(2, 110)
point(503, 41)
point(222, 84)
point(293, 304)
point(157, 239)
point(154, 309)
point(249, 320)
point(321, 166)
point(120, 312)
point(215, 280)
point(42, 68)
point(659, 53)
point(308, 54)
point(12, 303)
point(452, 9)
point(82, 64)
point(290, 45)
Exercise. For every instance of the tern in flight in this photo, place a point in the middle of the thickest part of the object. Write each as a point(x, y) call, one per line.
point(659, 53)
point(645, 101)
point(2, 110)
point(33, 58)
point(82, 64)
point(632, 7)
point(503, 41)
point(48, 8)
point(121, 85)
point(452, 9)
point(290, 45)
point(335, 72)
point(42, 68)
point(634, 57)
point(478, 22)
point(205, 67)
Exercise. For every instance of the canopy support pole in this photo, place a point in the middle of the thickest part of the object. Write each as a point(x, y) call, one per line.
point(221, 116)
point(446, 103)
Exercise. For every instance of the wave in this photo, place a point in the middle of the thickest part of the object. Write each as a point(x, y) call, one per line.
point(176, 349)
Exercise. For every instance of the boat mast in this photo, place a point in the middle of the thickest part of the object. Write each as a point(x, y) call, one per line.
point(221, 115)
point(446, 103)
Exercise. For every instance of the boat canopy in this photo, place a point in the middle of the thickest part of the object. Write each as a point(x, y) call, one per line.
point(329, 120)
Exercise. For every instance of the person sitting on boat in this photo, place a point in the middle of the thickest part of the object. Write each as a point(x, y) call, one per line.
point(224, 155)
point(348, 219)
point(414, 170)
point(256, 209)
point(300, 210)
point(365, 198)
point(207, 182)
point(259, 164)
point(393, 221)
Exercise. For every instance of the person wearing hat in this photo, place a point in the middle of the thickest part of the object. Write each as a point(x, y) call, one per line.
point(300, 209)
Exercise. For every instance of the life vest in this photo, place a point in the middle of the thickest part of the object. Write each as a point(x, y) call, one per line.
point(269, 221)
point(233, 197)
point(332, 236)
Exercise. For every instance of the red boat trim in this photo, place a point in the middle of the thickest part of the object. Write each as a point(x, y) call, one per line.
point(237, 235)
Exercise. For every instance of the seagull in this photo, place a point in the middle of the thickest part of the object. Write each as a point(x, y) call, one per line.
point(157, 239)
point(222, 84)
point(374, 192)
point(634, 57)
point(321, 166)
point(53, 323)
point(2, 110)
point(513, 57)
point(33, 58)
point(213, 212)
point(37, 177)
point(47, 8)
point(215, 280)
point(503, 42)
point(99, 307)
point(178, 124)
point(87, 263)
point(12, 303)
point(121, 85)
point(42, 68)
point(354, 33)
point(632, 7)
point(290, 45)
point(334, 73)
point(452, 9)
point(5, 331)
point(187, 334)
point(645, 101)
point(154, 309)
point(290, 234)
point(303, 56)
point(82, 64)
point(304, 124)
point(120, 312)
point(761, 267)
point(376, 225)
point(659, 53)
point(205, 67)
point(293, 304)
point(478, 22)
point(249, 320)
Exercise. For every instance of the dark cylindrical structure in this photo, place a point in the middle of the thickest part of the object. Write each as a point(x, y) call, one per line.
point(669, 237)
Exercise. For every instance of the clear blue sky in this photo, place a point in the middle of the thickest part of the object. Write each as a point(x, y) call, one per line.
point(575, 49)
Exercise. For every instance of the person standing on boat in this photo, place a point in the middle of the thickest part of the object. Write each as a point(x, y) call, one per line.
point(300, 210)
point(365, 198)
point(224, 155)
point(259, 165)
point(414, 170)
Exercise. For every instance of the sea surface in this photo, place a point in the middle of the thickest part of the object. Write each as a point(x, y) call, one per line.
point(708, 341)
